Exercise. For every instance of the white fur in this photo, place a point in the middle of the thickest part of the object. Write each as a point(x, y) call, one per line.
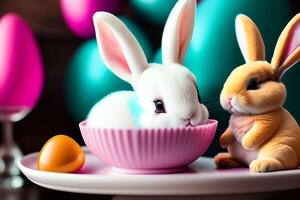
point(178, 31)
point(112, 111)
point(171, 82)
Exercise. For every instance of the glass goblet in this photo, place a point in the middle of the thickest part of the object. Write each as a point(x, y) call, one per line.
point(21, 81)
point(10, 153)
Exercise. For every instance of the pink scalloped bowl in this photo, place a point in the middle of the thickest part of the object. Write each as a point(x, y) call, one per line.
point(149, 151)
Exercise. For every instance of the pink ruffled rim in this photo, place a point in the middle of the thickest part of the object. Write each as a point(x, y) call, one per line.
point(211, 123)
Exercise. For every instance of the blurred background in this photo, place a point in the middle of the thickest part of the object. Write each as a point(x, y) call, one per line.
point(75, 77)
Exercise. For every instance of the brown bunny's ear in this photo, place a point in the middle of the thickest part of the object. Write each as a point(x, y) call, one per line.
point(249, 39)
point(287, 50)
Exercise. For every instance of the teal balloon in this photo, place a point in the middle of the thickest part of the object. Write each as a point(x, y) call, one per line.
point(157, 56)
point(88, 80)
point(155, 11)
point(139, 35)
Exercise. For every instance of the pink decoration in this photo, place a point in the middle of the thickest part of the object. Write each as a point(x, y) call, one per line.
point(78, 14)
point(21, 70)
point(149, 151)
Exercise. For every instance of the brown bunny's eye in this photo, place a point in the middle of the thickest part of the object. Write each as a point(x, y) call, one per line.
point(159, 106)
point(253, 84)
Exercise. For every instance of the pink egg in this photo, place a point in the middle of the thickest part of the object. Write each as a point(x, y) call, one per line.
point(78, 14)
point(21, 69)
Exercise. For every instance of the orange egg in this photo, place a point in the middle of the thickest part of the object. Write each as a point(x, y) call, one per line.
point(61, 154)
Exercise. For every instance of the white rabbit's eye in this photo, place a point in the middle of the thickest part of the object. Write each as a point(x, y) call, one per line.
point(253, 84)
point(159, 106)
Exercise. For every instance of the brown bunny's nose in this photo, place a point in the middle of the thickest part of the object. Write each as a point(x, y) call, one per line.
point(228, 101)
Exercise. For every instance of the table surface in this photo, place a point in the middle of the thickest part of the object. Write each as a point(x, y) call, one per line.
point(31, 191)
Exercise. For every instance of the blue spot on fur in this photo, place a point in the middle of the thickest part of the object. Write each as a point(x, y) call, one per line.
point(135, 109)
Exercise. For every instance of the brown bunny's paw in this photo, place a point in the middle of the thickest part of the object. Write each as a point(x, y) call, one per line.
point(225, 141)
point(226, 138)
point(266, 165)
point(248, 143)
point(225, 161)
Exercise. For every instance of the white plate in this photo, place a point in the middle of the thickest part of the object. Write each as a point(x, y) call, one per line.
point(202, 179)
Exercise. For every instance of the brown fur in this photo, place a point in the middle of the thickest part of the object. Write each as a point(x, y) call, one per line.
point(261, 133)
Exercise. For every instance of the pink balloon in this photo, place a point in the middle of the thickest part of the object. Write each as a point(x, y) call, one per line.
point(78, 14)
point(21, 69)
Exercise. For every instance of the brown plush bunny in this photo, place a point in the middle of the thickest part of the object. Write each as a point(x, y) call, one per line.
point(261, 133)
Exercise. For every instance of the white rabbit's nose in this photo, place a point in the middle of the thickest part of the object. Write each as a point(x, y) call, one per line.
point(189, 116)
point(188, 123)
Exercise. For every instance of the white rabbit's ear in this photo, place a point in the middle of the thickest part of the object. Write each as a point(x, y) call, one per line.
point(118, 48)
point(249, 39)
point(287, 50)
point(178, 31)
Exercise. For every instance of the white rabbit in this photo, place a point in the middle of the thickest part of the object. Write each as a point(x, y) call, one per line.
point(165, 95)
